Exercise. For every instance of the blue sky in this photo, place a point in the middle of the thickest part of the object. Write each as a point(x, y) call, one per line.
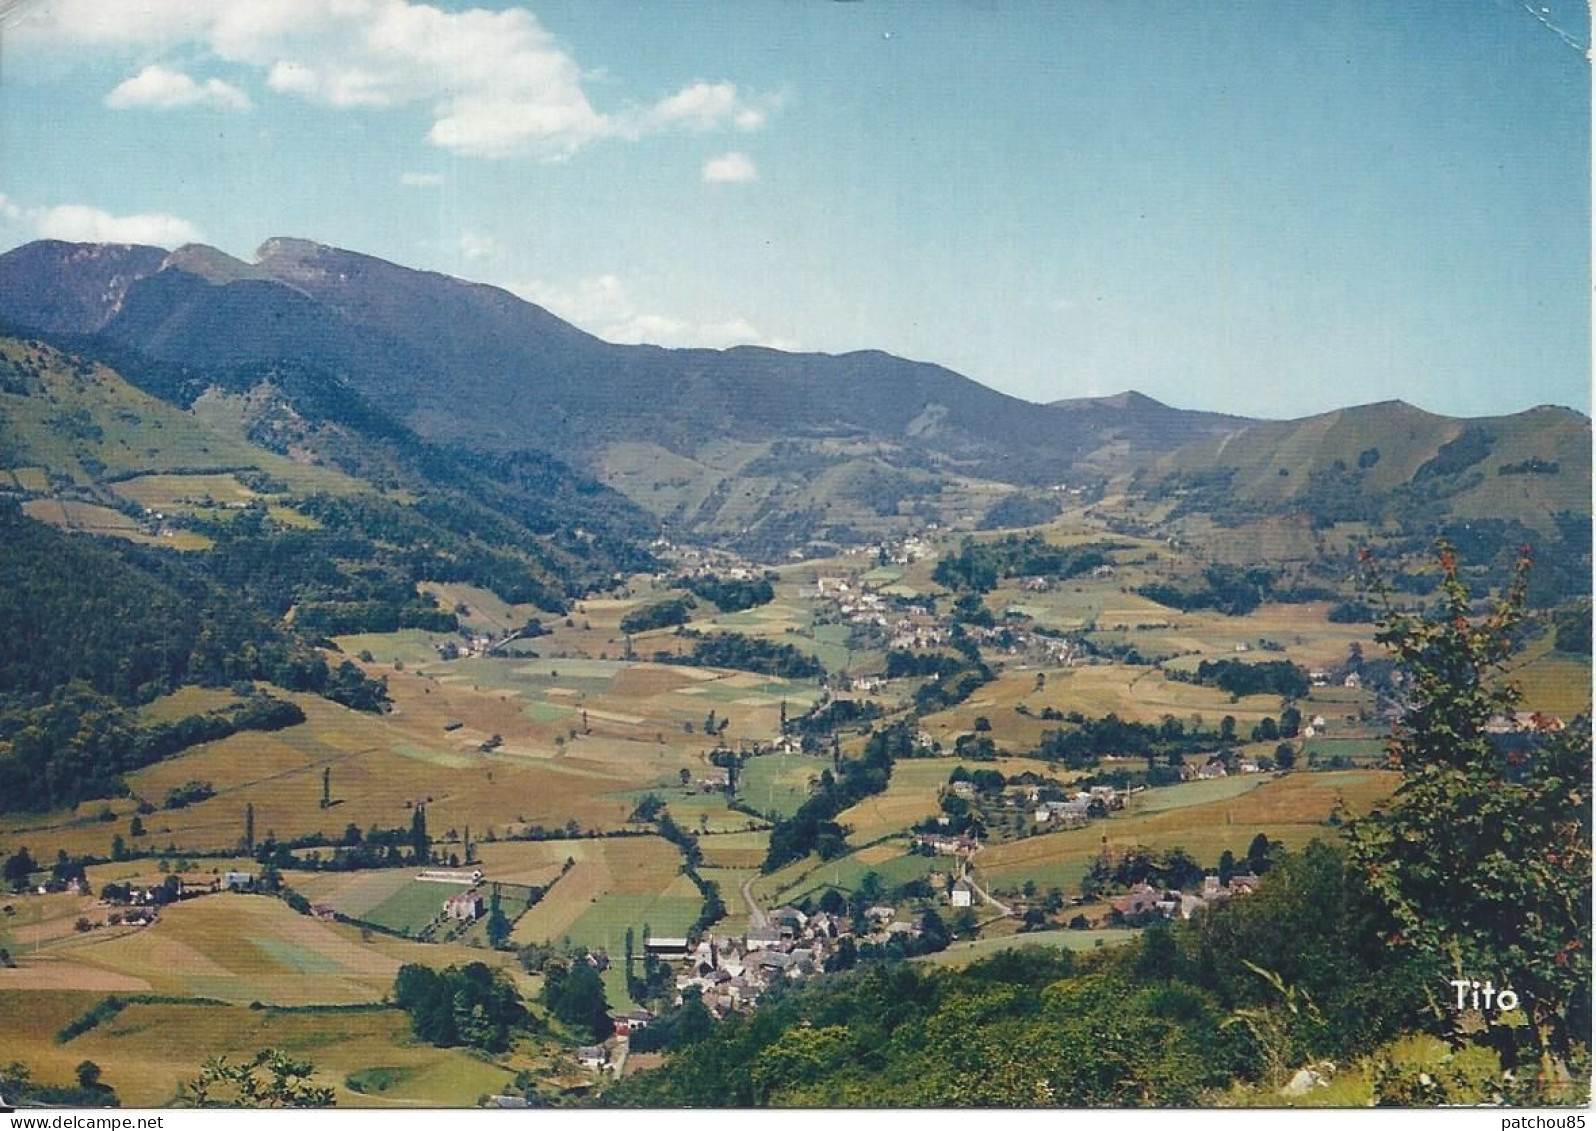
point(1266, 208)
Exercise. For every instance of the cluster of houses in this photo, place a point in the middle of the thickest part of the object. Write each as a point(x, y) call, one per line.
point(1077, 809)
point(964, 845)
point(1144, 898)
point(466, 646)
point(732, 973)
point(1524, 721)
point(906, 551)
point(1320, 677)
point(1215, 767)
point(701, 561)
point(912, 628)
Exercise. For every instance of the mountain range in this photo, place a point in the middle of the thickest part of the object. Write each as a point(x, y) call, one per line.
point(747, 444)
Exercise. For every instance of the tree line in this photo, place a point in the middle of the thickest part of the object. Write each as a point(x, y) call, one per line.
point(813, 828)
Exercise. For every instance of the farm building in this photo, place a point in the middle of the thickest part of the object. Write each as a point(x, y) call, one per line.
point(760, 937)
point(466, 907)
point(630, 1021)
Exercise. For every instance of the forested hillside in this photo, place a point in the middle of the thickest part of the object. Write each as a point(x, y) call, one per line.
point(94, 628)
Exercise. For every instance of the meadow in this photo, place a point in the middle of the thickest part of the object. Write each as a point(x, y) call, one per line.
point(961, 954)
point(1291, 808)
point(147, 1050)
point(780, 783)
point(576, 740)
point(615, 884)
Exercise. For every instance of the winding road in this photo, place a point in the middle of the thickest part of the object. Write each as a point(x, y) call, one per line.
point(756, 917)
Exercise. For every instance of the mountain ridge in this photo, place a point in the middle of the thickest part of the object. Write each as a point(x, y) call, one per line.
point(839, 444)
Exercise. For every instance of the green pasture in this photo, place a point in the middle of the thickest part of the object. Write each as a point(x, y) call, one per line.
point(1188, 793)
point(779, 783)
point(412, 907)
point(960, 954)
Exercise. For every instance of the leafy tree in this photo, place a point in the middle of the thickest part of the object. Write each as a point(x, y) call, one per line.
point(1261, 854)
point(18, 867)
point(271, 1079)
point(1482, 860)
point(498, 923)
point(1266, 730)
point(575, 995)
point(420, 843)
point(471, 1005)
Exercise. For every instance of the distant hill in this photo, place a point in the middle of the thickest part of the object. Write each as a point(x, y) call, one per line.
point(1132, 422)
point(150, 454)
point(1389, 462)
point(765, 449)
point(71, 287)
point(468, 364)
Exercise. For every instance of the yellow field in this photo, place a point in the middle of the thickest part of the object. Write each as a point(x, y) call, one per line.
point(1291, 808)
point(90, 518)
point(633, 876)
point(1554, 683)
point(910, 797)
point(146, 1050)
point(735, 850)
point(1135, 694)
point(247, 948)
point(487, 612)
point(382, 765)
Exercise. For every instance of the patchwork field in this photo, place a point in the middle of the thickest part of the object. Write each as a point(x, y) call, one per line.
point(631, 882)
point(910, 797)
point(890, 861)
point(735, 850)
point(1292, 808)
point(226, 947)
point(589, 762)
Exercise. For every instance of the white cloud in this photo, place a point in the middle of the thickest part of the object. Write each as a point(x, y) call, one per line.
point(161, 88)
point(475, 247)
point(82, 223)
point(496, 83)
point(421, 180)
point(730, 168)
point(79, 223)
point(702, 106)
point(602, 306)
